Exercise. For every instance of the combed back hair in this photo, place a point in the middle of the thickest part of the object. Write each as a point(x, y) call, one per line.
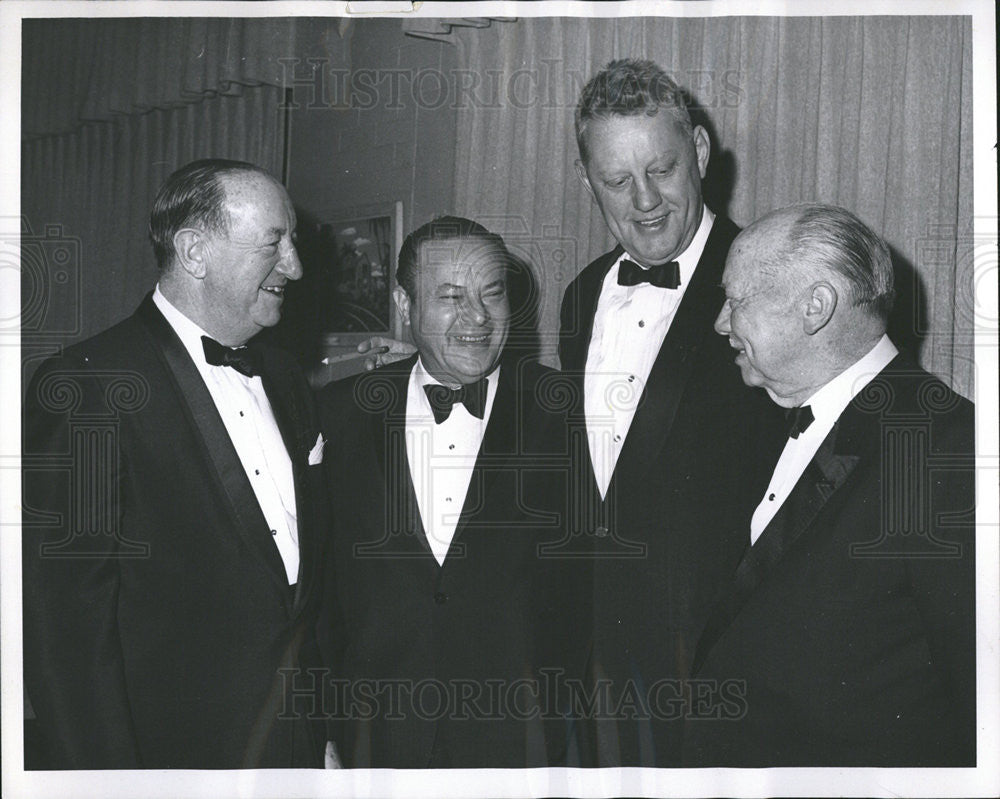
point(832, 237)
point(445, 228)
point(193, 196)
point(629, 87)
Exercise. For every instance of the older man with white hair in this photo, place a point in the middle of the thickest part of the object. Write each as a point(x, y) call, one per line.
point(849, 624)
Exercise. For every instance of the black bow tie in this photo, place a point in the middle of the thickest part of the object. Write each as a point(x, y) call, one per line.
point(798, 419)
point(241, 359)
point(664, 276)
point(442, 399)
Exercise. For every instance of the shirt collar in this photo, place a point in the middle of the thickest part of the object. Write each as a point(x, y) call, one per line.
point(424, 378)
point(687, 260)
point(188, 332)
point(829, 401)
point(420, 377)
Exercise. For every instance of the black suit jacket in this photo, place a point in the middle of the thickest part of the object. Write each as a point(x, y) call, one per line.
point(846, 636)
point(672, 525)
point(445, 665)
point(159, 627)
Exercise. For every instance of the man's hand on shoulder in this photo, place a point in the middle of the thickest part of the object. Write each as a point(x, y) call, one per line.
point(382, 351)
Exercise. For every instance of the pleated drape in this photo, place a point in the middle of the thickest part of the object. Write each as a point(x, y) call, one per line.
point(110, 109)
point(94, 187)
point(88, 70)
point(872, 113)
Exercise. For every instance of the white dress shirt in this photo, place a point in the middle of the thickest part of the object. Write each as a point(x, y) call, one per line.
point(630, 323)
point(243, 405)
point(442, 457)
point(827, 404)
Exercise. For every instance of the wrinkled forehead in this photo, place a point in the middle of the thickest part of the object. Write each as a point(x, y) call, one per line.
point(254, 194)
point(461, 261)
point(747, 265)
point(760, 248)
point(605, 135)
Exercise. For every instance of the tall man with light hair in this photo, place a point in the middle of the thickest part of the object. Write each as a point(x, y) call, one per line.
point(850, 619)
point(671, 433)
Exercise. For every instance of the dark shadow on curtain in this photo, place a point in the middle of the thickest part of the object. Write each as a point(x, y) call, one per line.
point(307, 300)
point(720, 177)
point(909, 322)
point(523, 294)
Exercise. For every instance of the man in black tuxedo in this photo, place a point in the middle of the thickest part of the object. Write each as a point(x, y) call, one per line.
point(173, 512)
point(449, 622)
point(849, 624)
point(664, 426)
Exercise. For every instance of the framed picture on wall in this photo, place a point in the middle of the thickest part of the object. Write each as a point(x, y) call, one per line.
point(353, 255)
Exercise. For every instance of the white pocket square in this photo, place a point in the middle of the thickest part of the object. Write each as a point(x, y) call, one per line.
point(316, 453)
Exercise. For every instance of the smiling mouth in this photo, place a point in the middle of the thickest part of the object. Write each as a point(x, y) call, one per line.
point(277, 291)
point(651, 223)
point(482, 339)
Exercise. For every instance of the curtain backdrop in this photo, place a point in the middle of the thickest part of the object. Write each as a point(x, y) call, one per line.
point(110, 108)
point(874, 114)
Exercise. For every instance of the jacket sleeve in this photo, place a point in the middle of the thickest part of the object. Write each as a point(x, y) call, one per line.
point(74, 671)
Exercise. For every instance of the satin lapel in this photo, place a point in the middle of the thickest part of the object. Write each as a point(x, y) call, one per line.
point(500, 442)
point(588, 294)
point(691, 325)
point(825, 475)
point(383, 395)
point(236, 492)
point(295, 419)
point(297, 423)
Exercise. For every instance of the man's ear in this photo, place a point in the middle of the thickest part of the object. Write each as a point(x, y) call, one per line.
point(190, 251)
point(581, 172)
point(402, 300)
point(702, 148)
point(820, 307)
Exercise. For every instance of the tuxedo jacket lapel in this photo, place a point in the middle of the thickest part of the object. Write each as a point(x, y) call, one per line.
point(194, 397)
point(583, 309)
point(299, 427)
point(500, 441)
point(678, 354)
point(826, 474)
point(384, 391)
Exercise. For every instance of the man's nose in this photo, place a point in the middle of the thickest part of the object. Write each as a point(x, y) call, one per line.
point(722, 320)
point(290, 265)
point(645, 196)
point(474, 311)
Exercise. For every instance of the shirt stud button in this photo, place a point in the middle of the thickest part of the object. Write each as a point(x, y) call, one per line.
point(642, 323)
